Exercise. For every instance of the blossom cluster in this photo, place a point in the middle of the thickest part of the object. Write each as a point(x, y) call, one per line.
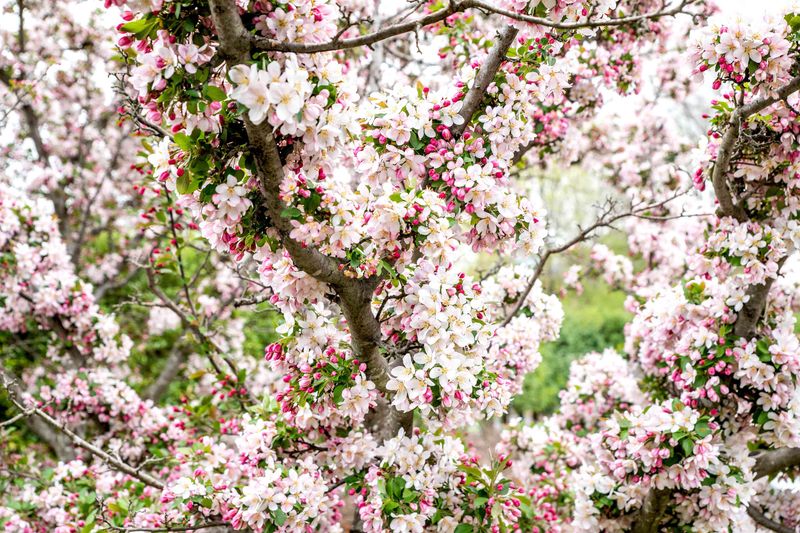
point(544, 459)
point(664, 446)
point(756, 248)
point(132, 425)
point(466, 171)
point(755, 53)
point(616, 269)
point(422, 480)
point(325, 384)
point(598, 385)
point(248, 485)
point(38, 282)
point(688, 337)
point(440, 312)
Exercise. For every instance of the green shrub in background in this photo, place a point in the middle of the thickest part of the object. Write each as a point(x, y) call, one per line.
point(593, 321)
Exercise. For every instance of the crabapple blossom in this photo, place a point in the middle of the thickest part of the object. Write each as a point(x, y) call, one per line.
point(275, 274)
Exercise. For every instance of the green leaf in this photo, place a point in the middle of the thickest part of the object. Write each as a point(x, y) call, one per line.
point(279, 517)
point(337, 394)
point(395, 486)
point(702, 429)
point(472, 472)
point(184, 184)
point(208, 192)
point(183, 141)
point(688, 446)
point(199, 165)
point(415, 141)
point(793, 20)
point(291, 212)
point(762, 350)
point(463, 528)
point(215, 93)
point(89, 525)
point(140, 27)
point(313, 202)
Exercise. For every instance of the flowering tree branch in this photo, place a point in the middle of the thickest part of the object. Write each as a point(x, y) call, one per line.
point(455, 6)
point(355, 294)
point(752, 310)
point(234, 47)
point(169, 528)
point(771, 462)
point(758, 516)
point(117, 464)
point(612, 22)
point(53, 439)
point(719, 176)
point(485, 77)
point(768, 463)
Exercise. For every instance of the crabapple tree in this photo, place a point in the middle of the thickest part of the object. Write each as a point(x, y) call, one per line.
point(268, 264)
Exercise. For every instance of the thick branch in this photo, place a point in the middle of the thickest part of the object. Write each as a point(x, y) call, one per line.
point(719, 174)
point(758, 517)
point(771, 462)
point(234, 45)
point(748, 317)
point(166, 528)
point(32, 121)
point(484, 77)
point(752, 310)
point(234, 41)
point(653, 508)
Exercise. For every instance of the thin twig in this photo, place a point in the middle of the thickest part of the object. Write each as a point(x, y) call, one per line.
point(606, 219)
point(455, 6)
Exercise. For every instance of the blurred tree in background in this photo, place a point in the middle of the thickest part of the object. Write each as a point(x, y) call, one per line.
point(593, 321)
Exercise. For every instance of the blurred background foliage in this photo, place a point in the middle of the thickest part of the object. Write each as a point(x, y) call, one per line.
point(593, 321)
